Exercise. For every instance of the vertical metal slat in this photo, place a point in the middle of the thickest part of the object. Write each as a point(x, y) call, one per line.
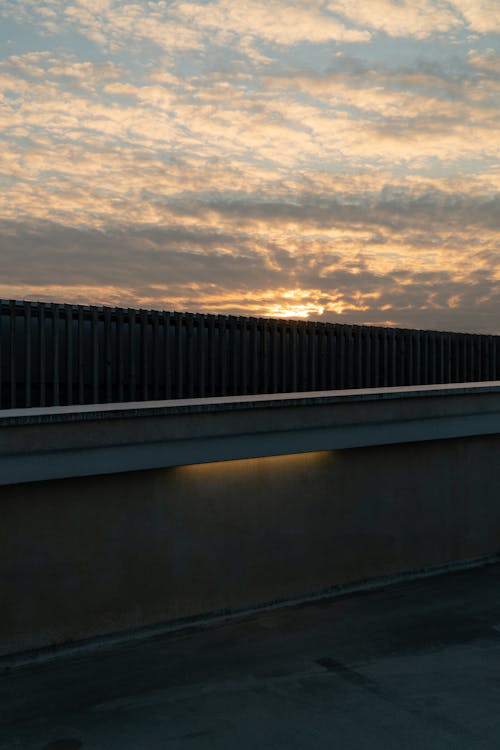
point(81, 356)
point(358, 356)
point(349, 357)
point(144, 355)
point(211, 354)
point(417, 376)
point(432, 358)
point(341, 348)
point(294, 357)
point(223, 359)
point(264, 347)
point(108, 355)
point(274, 356)
point(393, 377)
point(286, 361)
point(376, 358)
point(233, 355)
point(312, 331)
point(12, 354)
point(27, 355)
point(179, 355)
point(244, 347)
point(155, 355)
point(323, 357)
point(303, 373)
point(201, 357)
point(332, 359)
point(55, 352)
point(43, 368)
point(189, 377)
point(120, 351)
point(69, 354)
point(367, 357)
point(254, 355)
point(167, 341)
point(441, 358)
point(94, 323)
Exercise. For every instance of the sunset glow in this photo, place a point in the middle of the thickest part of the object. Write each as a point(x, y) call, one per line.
point(316, 159)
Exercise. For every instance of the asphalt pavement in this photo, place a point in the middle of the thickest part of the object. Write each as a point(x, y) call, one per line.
point(413, 665)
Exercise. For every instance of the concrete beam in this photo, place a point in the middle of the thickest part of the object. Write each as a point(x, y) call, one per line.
point(43, 444)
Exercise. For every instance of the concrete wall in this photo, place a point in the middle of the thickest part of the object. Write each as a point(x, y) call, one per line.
point(86, 556)
point(123, 516)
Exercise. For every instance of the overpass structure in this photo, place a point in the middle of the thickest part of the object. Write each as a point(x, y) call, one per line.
point(122, 518)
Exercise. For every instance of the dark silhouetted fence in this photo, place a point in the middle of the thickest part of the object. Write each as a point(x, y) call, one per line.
point(53, 354)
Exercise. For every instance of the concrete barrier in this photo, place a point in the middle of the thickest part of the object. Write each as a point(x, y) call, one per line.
point(118, 518)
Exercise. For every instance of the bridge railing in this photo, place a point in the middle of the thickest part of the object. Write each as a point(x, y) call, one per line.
point(53, 354)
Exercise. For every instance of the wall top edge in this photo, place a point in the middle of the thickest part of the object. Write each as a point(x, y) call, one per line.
point(138, 409)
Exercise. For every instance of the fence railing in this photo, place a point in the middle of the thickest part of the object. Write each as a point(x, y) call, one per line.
point(53, 354)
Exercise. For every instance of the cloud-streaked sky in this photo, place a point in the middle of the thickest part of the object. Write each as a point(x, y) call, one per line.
point(318, 158)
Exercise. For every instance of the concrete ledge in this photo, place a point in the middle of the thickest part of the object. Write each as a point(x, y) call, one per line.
point(62, 442)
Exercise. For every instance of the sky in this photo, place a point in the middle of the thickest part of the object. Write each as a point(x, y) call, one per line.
point(320, 159)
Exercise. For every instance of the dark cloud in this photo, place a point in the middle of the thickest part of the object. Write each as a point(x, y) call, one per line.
point(393, 209)
point(54, 254)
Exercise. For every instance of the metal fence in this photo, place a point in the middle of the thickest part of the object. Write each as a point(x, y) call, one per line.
point(53, 354)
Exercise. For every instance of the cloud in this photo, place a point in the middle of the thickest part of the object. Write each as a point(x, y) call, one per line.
point(88, 75)
point(187, 25)
point(411, 18)
point(421, 19)
point(275, 21)
point(487, 62)
point(228, 157)
point(410, 257)
point(482, 16)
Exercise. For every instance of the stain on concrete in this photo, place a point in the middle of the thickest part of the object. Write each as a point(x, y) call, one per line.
point(346, 673)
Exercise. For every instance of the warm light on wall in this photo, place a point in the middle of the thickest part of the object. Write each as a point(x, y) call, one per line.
point(299, 463)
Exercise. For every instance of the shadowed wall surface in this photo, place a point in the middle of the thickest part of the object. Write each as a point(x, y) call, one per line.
point(88, 556)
